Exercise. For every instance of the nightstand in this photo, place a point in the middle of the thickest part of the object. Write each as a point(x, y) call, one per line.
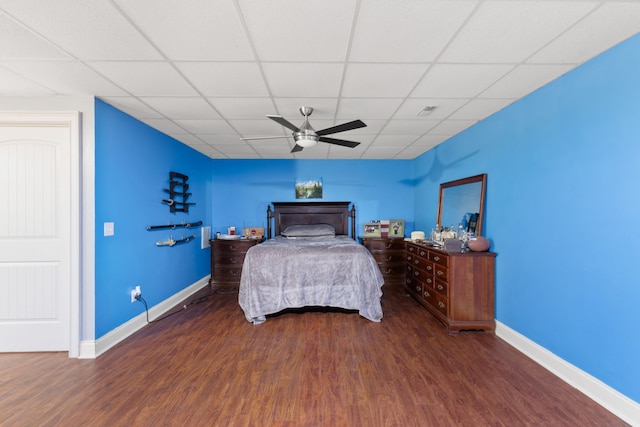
point(227, 257)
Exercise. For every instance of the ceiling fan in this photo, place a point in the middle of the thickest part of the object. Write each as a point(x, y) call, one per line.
point(306, 136)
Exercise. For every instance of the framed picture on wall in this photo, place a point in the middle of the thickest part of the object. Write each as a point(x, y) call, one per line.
point(396, 228)
point(309, 188)
point(372, 229)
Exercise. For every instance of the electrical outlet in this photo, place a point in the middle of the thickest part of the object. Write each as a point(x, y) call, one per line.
point(135, 293)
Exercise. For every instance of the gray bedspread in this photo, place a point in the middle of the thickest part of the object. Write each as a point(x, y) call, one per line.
point(292, 273)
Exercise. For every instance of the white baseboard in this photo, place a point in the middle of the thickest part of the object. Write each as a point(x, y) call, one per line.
point(93, 349)
point(618, 404)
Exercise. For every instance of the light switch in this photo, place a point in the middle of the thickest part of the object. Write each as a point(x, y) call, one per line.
point(109, 229)
point(205, 235)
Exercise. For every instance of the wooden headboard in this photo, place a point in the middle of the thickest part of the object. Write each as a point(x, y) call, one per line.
point(307, 213)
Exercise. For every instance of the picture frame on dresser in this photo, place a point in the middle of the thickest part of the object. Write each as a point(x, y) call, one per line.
point(372, 229)
point(396, 228)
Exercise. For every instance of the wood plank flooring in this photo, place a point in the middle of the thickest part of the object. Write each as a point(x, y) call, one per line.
point(207, 366)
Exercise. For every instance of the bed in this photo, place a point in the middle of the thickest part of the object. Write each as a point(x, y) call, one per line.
point(311, 261)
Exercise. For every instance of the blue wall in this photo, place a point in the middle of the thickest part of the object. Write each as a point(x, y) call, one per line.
point(563, 169)
point(243, 188)
point(132, 167)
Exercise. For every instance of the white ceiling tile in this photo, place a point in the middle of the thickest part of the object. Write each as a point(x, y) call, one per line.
point(214, 30)
point(478, 109)
point(166, 126)
point(395, 140)
point(323, 108)
point(15, 84)
point(66, 77)
point(90, 30)
point(215, 140)
point(523, 80)
point(367, 108)
point(17, 42)
point(145, 78)
point(312, 30)
point(426, 28)
point(381, 80)
point(206, 126)
point(225, 79)
point(295, 80)
point(132, 106)
point(451, 127)
point(182, 108)
point(243, 108)
point(409, 127)
point(444, 108)
point(511, 31)
point(428, 141)
point(606, 26)
point(261, 127)
point(459, 80)
point(381, 152)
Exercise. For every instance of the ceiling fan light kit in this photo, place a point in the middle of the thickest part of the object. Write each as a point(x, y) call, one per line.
point(305, 136)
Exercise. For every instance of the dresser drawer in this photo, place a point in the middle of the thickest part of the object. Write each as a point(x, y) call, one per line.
point(441, 287)
point(440, 272)
point(232, 246)
point(228, 258)
point(384, 244)
point(439, 258)
point(227, 273)
point(391, 257)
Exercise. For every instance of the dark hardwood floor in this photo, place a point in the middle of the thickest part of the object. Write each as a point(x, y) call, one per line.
point(207, 366)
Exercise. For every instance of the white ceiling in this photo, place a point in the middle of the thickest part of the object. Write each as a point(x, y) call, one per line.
point(207, 72)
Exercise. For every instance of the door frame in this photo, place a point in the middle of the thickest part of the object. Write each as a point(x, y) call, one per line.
point(72, 119)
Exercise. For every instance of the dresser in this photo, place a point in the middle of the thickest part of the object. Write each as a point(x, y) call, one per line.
point(390, 256)
point(227, 257)
point(457, 288)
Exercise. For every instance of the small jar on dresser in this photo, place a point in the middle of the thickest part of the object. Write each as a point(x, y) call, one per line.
point(389, 253)
point(457, 288)
point(227, 257)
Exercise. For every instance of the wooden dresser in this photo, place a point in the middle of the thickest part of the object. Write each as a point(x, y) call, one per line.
point(227, 257)
point(390, 256)
point(457, 288)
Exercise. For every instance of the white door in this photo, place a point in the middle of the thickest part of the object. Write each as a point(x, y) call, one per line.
point(35, 235)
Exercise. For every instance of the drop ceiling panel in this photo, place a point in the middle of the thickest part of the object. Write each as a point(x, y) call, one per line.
point(85, 29)
point(608, 25)
point(206, 126)
point(15, 84)
point(243, 108)
point(214, 30)
point(323, 108)
point(478, 109)
point(381, 80)
point(510, 32)
point(145, 78)
point(132, 106)
point(225, 79)
point(444, 108)
point(304, 31)
point(16, 42)
point(367, 108)
point(181, 108)
point(303, 79)
point(427, 27)
point(409, 127)
point(395, 140)
point(523, 80)
point(69, 77)
point(459, 80)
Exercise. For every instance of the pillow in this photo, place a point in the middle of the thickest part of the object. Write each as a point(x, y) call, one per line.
point(313, 230)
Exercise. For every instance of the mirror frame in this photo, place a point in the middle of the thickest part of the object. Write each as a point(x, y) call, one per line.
point(463, 181)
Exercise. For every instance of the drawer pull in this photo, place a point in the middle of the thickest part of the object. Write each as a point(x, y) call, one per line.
point(429, 281)
point(440, 273)
point(389, 258)
point(233, 260)
point(417, 273)
point(422, 253)
point(427, 294)
point(409, 258)
point(436, 258)
point(388, 245)
point(428, 268)
point(440, 287)
point(441, 304)
point(388, 271)
point(416, 262)
point(418, 288)
point(410, 249)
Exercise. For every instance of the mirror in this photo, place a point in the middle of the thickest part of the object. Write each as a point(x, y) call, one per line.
point(462, 201)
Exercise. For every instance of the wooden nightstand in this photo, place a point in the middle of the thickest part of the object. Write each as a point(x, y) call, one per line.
point(389, 254)
point(227, 257)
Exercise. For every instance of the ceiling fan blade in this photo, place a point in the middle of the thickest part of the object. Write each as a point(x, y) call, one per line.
point(356, 124)
point(296, 148)
point(250, 138)
point(284, 122)
point(342, 142)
